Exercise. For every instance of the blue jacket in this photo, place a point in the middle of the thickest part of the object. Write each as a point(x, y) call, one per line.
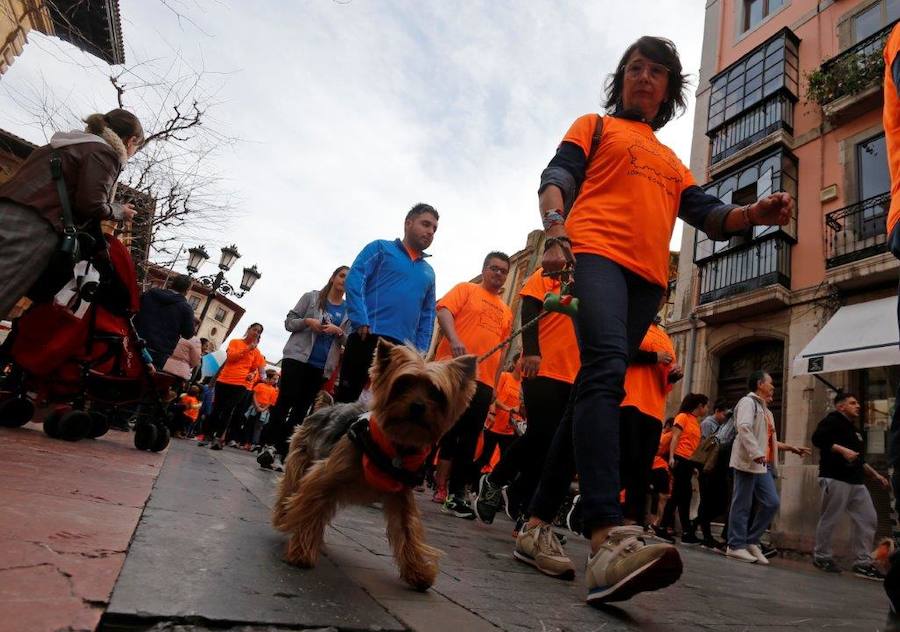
point(391, 293)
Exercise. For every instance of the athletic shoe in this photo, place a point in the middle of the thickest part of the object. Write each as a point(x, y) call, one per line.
point(755, 551)
point(458, 507)
point(768, 550)
point(663, 534)
point(574, 519)
point(440, 495)
point(741, 555)
point(233, 444)
point(520, 523)
point(868, 571)
point(487, 502)
point(689, 539)
point(266, 457)
point(538, 547)
point(215, 445)
point(625, 566)
point(826, 565)
point(508, 508)
point(713, 545)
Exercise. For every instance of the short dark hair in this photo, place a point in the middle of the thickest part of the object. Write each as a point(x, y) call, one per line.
point(691, 401)
point(755, 378)
point(661, 51)
point(720, 405)
point(420, 209)
point(842, 397)
point(496, 254)
point(181, 283)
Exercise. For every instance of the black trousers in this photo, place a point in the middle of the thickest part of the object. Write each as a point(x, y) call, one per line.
point(714, 496)
point(227, 403)
point(638, 442)
point(521, 465)
point(491, 441)
point(300, 383)
point(681, 496)
point(458, 445)
point(355, 365)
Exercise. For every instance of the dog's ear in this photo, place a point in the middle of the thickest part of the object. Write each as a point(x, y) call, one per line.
point(382, 357)
point(466, 365)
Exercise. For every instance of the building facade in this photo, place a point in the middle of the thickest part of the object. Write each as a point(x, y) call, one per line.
point(789, 99)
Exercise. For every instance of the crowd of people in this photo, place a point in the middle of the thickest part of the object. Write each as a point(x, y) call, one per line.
point(585, 398)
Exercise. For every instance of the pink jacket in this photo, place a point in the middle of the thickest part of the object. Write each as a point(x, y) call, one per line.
point(185, 357)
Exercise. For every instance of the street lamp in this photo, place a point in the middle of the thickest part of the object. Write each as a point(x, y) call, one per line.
point(217, 283)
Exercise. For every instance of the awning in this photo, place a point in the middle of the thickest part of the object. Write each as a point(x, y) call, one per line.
point(858, 336)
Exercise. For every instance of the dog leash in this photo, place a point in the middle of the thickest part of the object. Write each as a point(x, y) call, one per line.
point(562, 303)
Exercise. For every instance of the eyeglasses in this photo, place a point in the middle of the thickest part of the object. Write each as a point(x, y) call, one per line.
point(498, 270)
point(657, 72)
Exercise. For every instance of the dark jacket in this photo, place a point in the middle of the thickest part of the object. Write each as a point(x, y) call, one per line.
point(165, 316)
point(835, 428)
point(90, 168)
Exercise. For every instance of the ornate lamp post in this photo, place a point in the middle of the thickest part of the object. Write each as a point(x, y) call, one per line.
point(217, 283)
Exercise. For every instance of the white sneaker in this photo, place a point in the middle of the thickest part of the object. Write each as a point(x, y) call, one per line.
point(756, 552)
point(742, 555)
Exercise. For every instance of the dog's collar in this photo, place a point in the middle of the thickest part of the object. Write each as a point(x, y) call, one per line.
point(386, 468)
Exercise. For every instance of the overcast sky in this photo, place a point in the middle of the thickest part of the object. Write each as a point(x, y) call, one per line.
point(350, 112)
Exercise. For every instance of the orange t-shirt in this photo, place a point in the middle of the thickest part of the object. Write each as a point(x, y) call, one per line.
point(646, 385)
point(191, 408)
point(690, 435)
point(265, 394)
point(481, 320)
point(509, 393)
point(237, 367)
point(891, 120)
point(629, 201)
point(770, 439)
point(560, 359)
point(661, 460)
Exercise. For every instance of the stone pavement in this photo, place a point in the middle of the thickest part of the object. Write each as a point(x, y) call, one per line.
point(204, 556)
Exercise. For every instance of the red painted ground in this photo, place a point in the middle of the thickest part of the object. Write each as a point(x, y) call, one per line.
point(67, 513)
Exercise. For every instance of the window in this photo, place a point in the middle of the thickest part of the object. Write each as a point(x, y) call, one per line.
point(762, 73)
point(755, 11)
point(873, 179)
point(194, 302)
point(220, 314)
point(875, 18)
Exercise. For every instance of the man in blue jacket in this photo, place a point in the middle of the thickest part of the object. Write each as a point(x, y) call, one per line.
point(390, 295)
point(164, 317)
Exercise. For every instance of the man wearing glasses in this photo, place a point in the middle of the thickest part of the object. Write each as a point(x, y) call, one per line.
point(474, 319)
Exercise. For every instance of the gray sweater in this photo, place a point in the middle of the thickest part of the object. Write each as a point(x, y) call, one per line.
point(302, 339)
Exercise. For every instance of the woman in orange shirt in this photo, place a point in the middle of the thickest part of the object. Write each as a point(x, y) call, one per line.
point(685, 439)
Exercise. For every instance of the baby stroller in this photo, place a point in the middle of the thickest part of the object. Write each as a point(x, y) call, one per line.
point(80, 353)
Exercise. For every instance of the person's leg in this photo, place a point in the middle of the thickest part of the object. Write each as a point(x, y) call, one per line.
point(741, 499)
point(311, 381)
point(489, 444)
point(833, 502)
point(865, 521)
point(468, 427)
point(355, 367)
point(687, 493)
point(643, 440)
point(557, 473)
point(27, 243)
point(226, 399)
point(705, 482)
point(767, 503)
point(288, 390)
point(681, 495)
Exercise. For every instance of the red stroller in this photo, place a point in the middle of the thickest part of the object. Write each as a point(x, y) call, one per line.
point(81, 353)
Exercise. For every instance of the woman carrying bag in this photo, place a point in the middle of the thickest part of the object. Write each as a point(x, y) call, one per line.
point(35, 222)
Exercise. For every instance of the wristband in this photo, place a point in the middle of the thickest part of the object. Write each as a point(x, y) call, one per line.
point(552, 218)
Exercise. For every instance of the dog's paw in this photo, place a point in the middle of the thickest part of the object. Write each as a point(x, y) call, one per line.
point(420, 577)
point(299, 555)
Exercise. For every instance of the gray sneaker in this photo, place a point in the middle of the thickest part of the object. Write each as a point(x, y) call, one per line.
point(625, 566)
point(539, 547)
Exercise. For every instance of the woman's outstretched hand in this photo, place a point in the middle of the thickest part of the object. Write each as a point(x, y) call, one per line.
point(772, 210)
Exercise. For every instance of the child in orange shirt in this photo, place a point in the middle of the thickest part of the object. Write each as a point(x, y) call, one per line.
point(191, 403)
point(499, 428)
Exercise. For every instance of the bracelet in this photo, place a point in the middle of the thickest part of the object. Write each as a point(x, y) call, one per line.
point(746, 212)
point(552, 218)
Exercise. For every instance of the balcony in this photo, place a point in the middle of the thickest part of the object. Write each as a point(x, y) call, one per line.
point(856, 232)
point(774, 114)
point(760, 263)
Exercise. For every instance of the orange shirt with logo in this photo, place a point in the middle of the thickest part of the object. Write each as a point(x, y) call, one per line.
point(191, 406)
point(509, 393)
point(661, 460)
point(629, 201)
point(560, 359)
point(690, 435)
point(265, 394)
point(481, 320)
point(891, 120)
point(646, 385)
point(239, 364)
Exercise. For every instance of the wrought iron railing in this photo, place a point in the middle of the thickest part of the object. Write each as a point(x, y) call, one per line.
point(776, 112)
point(857, 231)
point(754, 265)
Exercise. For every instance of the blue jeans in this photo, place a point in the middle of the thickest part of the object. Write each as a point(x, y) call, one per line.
point(747, 487)
point(615, 310)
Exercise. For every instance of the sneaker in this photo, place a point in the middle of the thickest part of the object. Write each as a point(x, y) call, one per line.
point(520, 524)
point(233, 444)
point(440, 495)
point(756, 551)
point(487, 502)
point(539, 547)
point(713, 545)
point(458, 507)
point(742, 555)
point(215, 444)
point(689, 539)
point(768, 550)
point(266, 457)
point(508, 506)
point(826, 565)
point(574, 519)
point(868, 571)
point(625, 566)
point(663, 534)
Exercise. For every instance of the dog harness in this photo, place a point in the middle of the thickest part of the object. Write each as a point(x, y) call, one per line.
point(386, 468)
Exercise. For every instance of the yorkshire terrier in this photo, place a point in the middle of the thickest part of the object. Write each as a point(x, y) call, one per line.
point(346, 454)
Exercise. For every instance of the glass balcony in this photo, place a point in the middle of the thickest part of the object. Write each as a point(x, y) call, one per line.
point(752, 266)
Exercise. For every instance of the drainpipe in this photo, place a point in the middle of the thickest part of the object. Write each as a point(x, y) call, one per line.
point(689, 360)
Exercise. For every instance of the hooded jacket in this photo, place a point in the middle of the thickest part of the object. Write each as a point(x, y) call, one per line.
point(184, 358)
point(90, 164)
point(300, 345)
point(164, 317)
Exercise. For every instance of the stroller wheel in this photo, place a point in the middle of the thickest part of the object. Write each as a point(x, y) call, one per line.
point(99, 425)
point(144, 436)
point(74, 425)
point(162, 439)
point(16, 412)
point(51, 423)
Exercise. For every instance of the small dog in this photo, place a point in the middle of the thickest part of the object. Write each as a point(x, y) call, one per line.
point(332, 462)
